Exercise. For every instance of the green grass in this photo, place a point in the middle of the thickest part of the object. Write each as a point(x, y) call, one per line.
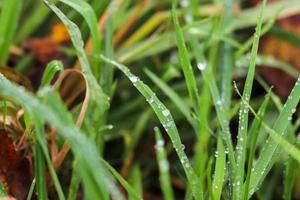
point(178, 68)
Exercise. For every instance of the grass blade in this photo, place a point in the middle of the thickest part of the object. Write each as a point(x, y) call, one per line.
point(52, 68)
point(167, 121)
point(270, 149)
point(135, 179)
point(241, 147)
point(123, 182)
point(90, 17)
point(253, 134)
point(185, 63)
point(11, 9)
point(181, 105)
point(218, 103)
point(163, 163)
point(33, 21)
point(219, 170)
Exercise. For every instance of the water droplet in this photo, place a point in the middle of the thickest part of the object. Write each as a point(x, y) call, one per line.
point(184, 3)
point(110, 126)
point(201, 66)
point(188, 18)
point(166, 112)
point(182, 146)
point(164, 165)
point(150, 101)
point(293, 110)
point(159, 144)
point(216, 154)
point(134, 79)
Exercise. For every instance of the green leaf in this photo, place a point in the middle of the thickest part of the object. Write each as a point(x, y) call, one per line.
point(52, 68)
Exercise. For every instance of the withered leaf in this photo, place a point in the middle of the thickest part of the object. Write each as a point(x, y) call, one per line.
point(15, 170)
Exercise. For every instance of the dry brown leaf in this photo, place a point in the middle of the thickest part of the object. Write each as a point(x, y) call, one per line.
point(15, 170)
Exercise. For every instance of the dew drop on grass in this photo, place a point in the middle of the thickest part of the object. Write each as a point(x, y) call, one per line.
point(166, 112)
point(184, 3)
point(151, 100)
point(182, 146)
point(110, 127)
point(216, 154)
point(201, 66)
point(134, 79)
point(159, 144)
point(165, 165)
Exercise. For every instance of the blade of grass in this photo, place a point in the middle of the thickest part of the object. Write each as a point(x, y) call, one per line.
point(181, 105)
point(167, 121)
point(278, 138)
point(241, 147)
point(35, 18)
point(220, 169)
point(41, 140)
point(39, 162)
point(291, 173)
point(163, 163)
point(10, 12)
point(52, 68)
point(209, 78)
point(90, 17)
point(185, 62)
point(97, 96)
point(31, 189)
point(123, 182)
point(253, 134)
point(135, 179)
point(74, 183)
point(270, 149)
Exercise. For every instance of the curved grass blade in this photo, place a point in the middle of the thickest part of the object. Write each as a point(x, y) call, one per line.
point(167, 121)
point(96, 93)
point(90, 17)
point(163, 163)
point(241, 147)
point(52, 68)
